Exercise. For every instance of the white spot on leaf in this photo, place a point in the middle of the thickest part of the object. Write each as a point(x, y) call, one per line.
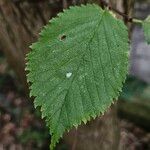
point(68, 75)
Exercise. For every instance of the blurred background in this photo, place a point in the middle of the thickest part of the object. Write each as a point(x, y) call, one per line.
point(126, 126)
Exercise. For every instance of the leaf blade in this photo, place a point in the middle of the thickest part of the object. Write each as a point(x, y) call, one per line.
point(80, 74)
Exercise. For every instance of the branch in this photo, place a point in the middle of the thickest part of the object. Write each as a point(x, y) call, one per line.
point(125, 16)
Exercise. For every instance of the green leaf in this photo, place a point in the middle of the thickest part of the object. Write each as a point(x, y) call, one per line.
point(146, 27)
point(77, 67)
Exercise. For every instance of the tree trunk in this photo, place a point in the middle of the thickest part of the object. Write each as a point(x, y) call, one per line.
point(21, 21)
point(99, 134)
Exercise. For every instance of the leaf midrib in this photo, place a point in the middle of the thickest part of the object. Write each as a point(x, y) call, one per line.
point(63, 103)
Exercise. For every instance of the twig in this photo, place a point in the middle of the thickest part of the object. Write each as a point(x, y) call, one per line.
point(125, 16)
point(101, 3)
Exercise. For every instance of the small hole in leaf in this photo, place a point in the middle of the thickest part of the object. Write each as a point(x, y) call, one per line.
point(63, 37)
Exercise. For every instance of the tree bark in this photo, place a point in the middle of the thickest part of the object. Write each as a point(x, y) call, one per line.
point(101, 133)
point(21, 21)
